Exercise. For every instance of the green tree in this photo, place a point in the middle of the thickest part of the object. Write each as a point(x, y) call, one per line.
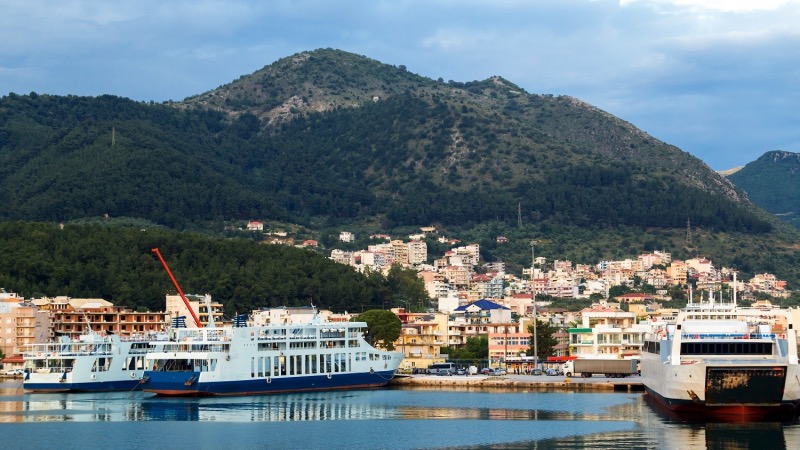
point(383, 327)
point(476, 348)
point(407, 289)
point(616, 291)
point(545, 342)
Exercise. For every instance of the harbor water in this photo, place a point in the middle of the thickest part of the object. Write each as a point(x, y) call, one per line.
point(397, 418)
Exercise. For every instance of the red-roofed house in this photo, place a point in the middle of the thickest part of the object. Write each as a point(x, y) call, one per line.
point(634, 297)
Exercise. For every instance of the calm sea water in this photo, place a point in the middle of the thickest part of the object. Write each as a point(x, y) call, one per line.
point(369, 419)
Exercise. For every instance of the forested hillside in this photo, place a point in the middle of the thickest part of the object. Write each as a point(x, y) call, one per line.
point(433, 153)
point(331, 140)
point(117, 264)
point(773, 183)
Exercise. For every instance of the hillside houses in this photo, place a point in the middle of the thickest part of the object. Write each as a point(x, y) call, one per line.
point(483, 300)
point(458, 274)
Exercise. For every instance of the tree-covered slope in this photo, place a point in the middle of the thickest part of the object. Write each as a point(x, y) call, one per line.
point(773, 183)
point(367, 140)
point(116, 263)
point(63, 158)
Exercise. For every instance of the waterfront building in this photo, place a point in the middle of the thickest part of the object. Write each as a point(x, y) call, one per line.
point(422, 337)
point(21, 323)
point(100, 316)
point(507, 341)
point(606, 331)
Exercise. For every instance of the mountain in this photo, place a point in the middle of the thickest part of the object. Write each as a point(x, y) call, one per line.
point(328, 139)
point(773, 183)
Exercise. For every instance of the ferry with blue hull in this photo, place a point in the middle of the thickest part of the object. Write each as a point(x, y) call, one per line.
point(724, 361)
point(90, 363)
point(254, 360)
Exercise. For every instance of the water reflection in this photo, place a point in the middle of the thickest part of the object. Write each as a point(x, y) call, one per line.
point(350, 405)
point(406, 418)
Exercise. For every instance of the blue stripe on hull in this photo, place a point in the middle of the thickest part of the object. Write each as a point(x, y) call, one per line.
point(182, 383)
point(93, 386)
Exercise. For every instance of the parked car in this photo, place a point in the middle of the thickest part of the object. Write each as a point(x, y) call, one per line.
point(486, 371)
point(552, 372)
point(13, 372)
point(461, 371)
point(499, 372)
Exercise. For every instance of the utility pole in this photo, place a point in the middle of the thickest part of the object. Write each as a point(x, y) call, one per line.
point(505, 349)
point(533, 297)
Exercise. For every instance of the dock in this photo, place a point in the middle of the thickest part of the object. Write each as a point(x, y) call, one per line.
point(522, 382)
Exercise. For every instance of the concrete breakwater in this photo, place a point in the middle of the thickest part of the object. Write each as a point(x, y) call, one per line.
point(522, 382)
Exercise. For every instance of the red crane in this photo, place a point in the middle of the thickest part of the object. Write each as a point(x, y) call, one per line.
point(175, 282)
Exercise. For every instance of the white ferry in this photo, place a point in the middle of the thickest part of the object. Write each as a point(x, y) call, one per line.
point(724, 361)
point(90, 363)
point(245, 360)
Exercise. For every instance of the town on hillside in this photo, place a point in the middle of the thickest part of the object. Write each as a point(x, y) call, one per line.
point(500, 305)
point(466, 303)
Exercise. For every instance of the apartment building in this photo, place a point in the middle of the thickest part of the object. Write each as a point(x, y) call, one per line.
point(400, 249)
point(206, 310)
point(422, 337)
point(417, 252)
point(21, 324)
point(100, 316)
point(607, 331)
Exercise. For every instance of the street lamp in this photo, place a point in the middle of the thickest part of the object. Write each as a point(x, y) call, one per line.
point(533, 297)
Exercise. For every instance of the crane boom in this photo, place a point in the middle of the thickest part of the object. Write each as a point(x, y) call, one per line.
point(180, 291)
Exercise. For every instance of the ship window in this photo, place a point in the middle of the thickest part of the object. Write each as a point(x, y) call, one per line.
point(726, 348)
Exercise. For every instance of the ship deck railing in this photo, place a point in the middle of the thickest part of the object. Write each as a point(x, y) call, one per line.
point(687, 335)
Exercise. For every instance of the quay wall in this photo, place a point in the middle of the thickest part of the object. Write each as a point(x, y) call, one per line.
point(518, 382)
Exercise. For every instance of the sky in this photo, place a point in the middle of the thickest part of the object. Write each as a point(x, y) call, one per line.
point(720, 79)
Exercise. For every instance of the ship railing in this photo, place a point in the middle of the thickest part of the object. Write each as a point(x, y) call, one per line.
point(190, 347)
point(687, 335)
point(64, 350)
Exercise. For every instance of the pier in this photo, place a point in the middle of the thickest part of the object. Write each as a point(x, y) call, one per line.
point(522, 382)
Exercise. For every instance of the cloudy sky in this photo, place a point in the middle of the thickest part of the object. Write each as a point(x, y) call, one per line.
point(718, 78)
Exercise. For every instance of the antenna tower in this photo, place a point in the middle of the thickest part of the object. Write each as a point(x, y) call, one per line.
point(688, 232)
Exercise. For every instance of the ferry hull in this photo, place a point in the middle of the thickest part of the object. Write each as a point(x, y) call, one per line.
point(190, 383)
point(82, 382)
point(690, 409)
point(93, 386)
